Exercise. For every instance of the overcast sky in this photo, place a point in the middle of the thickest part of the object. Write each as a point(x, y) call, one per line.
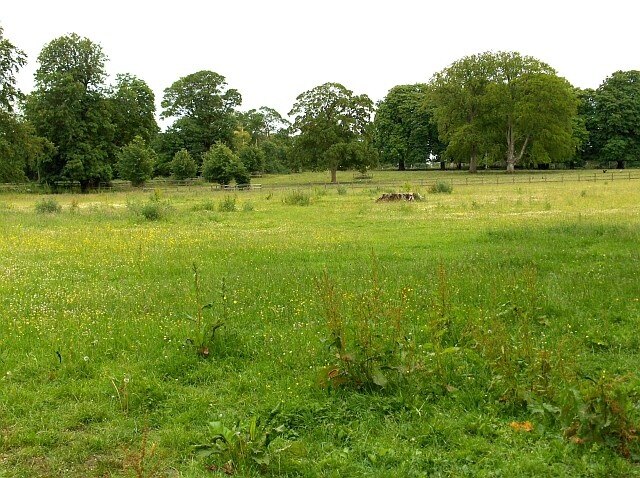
point(273, 50)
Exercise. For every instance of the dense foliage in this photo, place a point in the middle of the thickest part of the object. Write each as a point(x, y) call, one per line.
point(490, 109)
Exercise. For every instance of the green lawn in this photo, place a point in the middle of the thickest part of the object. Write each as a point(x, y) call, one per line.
point(485, 313)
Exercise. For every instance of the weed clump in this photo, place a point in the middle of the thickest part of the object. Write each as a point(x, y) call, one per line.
point(441, 187)
point(48, 206)
point(228, 204)
point(367, 337)
point(297, 198)
point(154, 209)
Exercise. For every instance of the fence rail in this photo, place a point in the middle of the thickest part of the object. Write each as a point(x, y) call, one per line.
point(494, 179)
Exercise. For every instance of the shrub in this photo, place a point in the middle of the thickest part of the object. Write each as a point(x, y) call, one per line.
point(48, 206)
point(297, 198)
point(228, 204)
point(441, 187)
point(135, 162)
point(183, 165)
point(220, 165)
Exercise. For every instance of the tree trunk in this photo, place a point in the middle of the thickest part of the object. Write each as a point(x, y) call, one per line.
point(401, 166)
point(620, 164)
point(443, 165)
point(511, 167)
point(473, 161)
point(334, 178)
point(572, 165)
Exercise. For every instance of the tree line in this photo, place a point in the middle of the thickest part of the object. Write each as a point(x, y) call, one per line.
point(486, 110)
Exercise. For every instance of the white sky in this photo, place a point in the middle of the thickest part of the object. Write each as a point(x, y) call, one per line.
point(273, 50)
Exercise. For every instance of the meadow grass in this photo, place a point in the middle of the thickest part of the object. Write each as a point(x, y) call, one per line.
point(519, 306)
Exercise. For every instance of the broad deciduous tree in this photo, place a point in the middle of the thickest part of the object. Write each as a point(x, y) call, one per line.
point(221, 165)
point(69, 107)
point(404, 130)
point(328, 118)
point(133, 110)
point(616, 132)
point(504, 103)
point(204, 111)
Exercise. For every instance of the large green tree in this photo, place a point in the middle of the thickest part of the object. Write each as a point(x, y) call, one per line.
point(133, 110)
point(404, 130)
point(616, 128)
point(504, 104)
point(262, 123)
point(333, 127)
point(69, 107)
point(204, 112)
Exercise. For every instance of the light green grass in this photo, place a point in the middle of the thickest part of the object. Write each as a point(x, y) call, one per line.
point(532, 268)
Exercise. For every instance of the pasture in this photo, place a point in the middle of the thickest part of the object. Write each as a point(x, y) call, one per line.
point(492, 331)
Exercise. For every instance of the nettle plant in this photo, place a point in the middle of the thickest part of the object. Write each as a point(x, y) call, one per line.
point(368, 338)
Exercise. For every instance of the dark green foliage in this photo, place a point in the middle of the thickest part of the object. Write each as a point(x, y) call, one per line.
point(11, 60)
point(405, 132)
point(481, 100)
point(253, 159)
point(132, 110)
point(135, 161)
point(70, 109)
point(183, 165)
point(220, 165)
point(204, 112)
point(329, 119)
point(615, 131)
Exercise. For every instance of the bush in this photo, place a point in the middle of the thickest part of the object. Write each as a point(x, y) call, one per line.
point(220, 165)
point(253, 159)
point(135, 162)
point(297, 198)
point(228, 204)
point(48, 206)
point(441, 187)
point(183, 165)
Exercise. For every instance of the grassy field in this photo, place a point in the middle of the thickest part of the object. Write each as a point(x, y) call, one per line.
point(492, 331)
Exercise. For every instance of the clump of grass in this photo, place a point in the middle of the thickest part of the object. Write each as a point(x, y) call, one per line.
point(206, 205)
point(248, 207)
point(228, 204)
point(297, 198)
point(342, 191)
point(48, 206)
point(441, 187)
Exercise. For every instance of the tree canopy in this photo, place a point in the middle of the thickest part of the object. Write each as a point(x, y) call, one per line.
point(616, 132)
point(69, 108)
point(404, 130)
point(504, 104)
point(204, 110)
point(330, 119)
